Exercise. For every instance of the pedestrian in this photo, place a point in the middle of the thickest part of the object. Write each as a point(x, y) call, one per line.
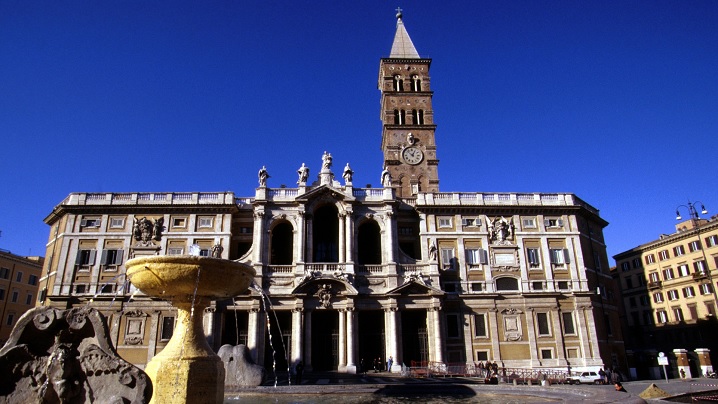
point(619, 387)
point(602, 373)
point(389, 363)
point(299, 369)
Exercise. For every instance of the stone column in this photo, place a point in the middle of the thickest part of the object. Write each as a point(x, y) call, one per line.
point(586, 329)
point(558, 336)
point(253, 327)
point(437, 346)
point(300, 239)
point(349, 228)
point(704, 360)
point(296, 354)
point(341, 241)
point(684, 370)
point(342, 340)
point(308, 340)
point(258, 236)
point(390, 335)
point(388, 242)
point(308, 256)
point(351, 340)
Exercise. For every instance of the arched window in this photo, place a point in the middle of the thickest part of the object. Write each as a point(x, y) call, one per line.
point(414, 117)
point(507, 283)
point(402, 117)
point(419, 118)
point(369, 243)
point(415, 83)
point(325, 233)
point(397, 117)
point(282, 244)
point(398, 83)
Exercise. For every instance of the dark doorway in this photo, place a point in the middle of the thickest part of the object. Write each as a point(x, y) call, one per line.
point(414, 336)
point(371, 338)
point(234, 327)
point(282, 244)
point(325, 233)
point(369, 239)
point(276, 346)
point(325, 340)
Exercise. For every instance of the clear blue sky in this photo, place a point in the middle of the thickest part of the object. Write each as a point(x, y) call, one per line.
point(615, 101)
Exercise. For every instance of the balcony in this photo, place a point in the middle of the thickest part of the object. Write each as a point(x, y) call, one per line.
point(700, 275)
point(654, 285)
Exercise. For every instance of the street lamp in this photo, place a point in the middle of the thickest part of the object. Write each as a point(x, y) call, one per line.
point(693, 213)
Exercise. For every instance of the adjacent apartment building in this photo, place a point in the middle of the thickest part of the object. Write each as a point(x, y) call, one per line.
point(353, 274)
point(19, 282)
point(669, 297)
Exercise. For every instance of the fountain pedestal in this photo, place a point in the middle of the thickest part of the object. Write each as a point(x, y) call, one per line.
point(187, 370)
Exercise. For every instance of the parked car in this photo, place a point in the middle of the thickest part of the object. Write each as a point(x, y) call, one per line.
point(584, 377)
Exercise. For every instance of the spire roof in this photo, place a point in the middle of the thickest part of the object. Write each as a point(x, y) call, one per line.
point(402, 48)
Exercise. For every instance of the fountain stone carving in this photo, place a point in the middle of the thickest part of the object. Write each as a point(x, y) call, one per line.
point(66, 356)
point(187, 370)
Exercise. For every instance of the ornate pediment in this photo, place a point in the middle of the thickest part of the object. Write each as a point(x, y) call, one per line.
point(413, 287)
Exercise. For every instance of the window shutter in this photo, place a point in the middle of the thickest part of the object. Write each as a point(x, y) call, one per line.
point(103, 257)
point(78, 258)
point(118, 257)
point(552, 256)
point(83, 223)
point(559, 222)
point(93, 256)
point(566, 257)
point(546, 223)
point(483, 257)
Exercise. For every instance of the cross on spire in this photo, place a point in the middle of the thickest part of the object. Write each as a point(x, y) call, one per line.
point(398, 12)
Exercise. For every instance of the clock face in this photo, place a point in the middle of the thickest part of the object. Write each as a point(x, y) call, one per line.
point(412, 155)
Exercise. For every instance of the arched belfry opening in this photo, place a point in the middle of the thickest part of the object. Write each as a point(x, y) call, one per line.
point(282, 244)
point(325, 234)
point(369, 243)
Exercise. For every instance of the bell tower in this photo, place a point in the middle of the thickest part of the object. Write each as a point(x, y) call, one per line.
point(408, 131)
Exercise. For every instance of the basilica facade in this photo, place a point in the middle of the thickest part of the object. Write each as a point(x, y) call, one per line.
point(347, 275)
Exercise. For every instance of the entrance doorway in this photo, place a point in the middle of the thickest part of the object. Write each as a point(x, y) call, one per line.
point(371, 339)
point(234, 327)
point(277, 345)
point(325, 340)
point(414, 336)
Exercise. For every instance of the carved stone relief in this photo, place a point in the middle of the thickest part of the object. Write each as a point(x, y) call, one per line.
point(512, 324)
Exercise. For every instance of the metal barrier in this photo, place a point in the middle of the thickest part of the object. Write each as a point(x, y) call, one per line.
point(472, 370)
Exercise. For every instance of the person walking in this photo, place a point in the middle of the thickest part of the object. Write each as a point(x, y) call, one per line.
point(299, 369)
point(389, 363)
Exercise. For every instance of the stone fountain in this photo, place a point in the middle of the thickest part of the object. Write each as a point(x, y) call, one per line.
point(187, 370)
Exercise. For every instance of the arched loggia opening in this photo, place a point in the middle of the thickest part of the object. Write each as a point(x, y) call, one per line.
point(325, 234)
point(369, 243)
point(282, 244)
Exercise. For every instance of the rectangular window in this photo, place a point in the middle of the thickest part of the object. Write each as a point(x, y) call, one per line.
point(28, 298)
point(650, 259)
point(15, 295)
point(683, 270)
point(700, 267)
point(662, 317)
point(678, 313)
point(482, 355)
point(644, 300)
point(10, 318)
point(559, 256)
point(546, 354)
point(537, 285)
point(2, 294)
point(111, 257)
point(668, 274)
point(658, 297)
point(445, 223)
point(673, 295)
point(689, 292)
point(678, 251)
point(90, 222)
point(85, 258)
point(629, 283)
point(607, 321)
point(448, 260)
point(553, 222)
point(117, 222)
point(632, 301)
point(168, 326)
point(663, 255)
point(710, 308)
point(706, 289)
point(175, 251)
point(568, 327)
point(205, 222)
point(693, 311)
point(18, 276)
point(480, 325)
point(474, 257)
point(453, 328)
point(179, 222)
point(712, 241)
point(695, 246)
point(468, 222)
point(625, 266)
point(476, 287)
point(562, 285)
point(80, 289)
point(572, 353)
point(534, 257)
point(32, 280)
point(4, 273)
point(653, 276)
point(529, 222)
point(542, 324)
point(636, 263)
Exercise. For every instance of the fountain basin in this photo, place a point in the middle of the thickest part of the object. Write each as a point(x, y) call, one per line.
point(187, 370)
